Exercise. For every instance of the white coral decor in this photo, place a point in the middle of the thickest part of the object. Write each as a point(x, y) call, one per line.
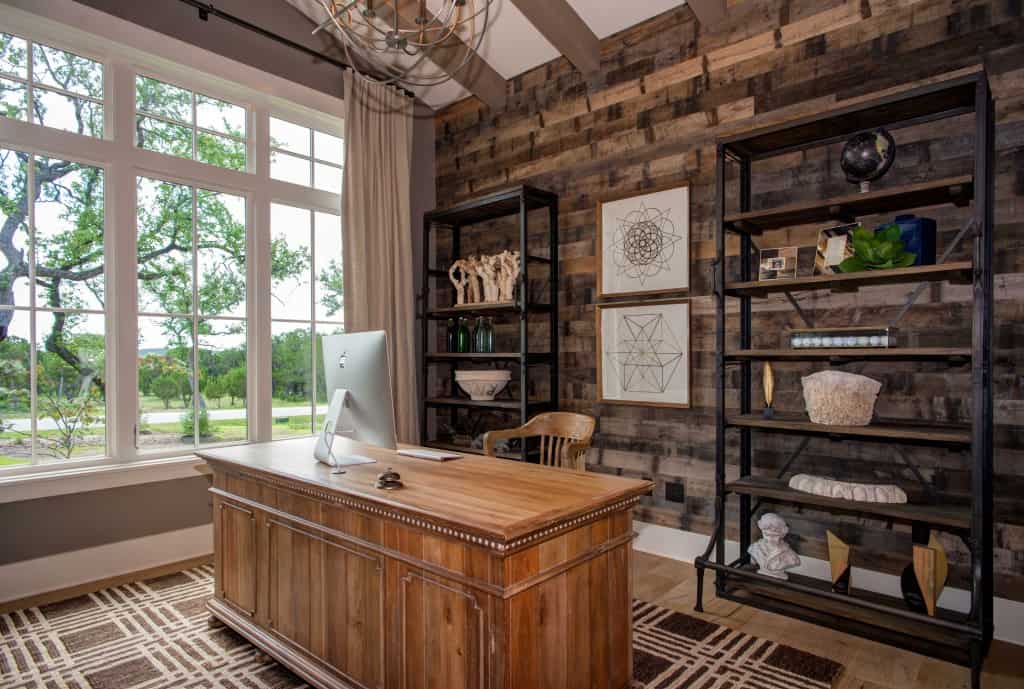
point(837, 398)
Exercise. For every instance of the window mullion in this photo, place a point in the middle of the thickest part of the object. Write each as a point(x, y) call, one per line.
point(259, 403)
point(120, 256)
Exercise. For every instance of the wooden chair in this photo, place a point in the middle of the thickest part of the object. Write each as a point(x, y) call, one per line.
point(564, 438)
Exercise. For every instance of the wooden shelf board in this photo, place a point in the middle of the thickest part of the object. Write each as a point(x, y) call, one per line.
point(511, 405)
point(484, 310)
point(492, 206)
point(864, 608)
point(945, 98)
point(951, 354)
point(951, 516)
point(532, 357)
point(958, 271)
point(945, 434)
point(956, 190)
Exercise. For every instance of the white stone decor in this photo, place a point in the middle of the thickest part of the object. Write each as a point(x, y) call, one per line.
point(837, 398)
point(847, 490)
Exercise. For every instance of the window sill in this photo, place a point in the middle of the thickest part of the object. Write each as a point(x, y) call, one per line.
point(44, 484)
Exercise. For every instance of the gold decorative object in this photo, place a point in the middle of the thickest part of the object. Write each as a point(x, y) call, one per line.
point(768, 382)
point(839, 559)
point(931, 569)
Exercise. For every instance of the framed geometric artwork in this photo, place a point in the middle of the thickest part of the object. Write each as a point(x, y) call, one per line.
point(644, 353)
point(643, 244)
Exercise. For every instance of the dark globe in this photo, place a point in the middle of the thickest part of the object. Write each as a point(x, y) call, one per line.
point(868, 156)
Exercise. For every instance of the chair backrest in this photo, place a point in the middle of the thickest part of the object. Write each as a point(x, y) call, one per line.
point(564, 438)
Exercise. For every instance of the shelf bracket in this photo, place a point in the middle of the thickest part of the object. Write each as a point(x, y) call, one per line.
point(914, 470)
point(804, 442)
point(913, 296)
point(808, 321)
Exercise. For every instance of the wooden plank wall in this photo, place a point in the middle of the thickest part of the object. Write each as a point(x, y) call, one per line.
point(667, 89)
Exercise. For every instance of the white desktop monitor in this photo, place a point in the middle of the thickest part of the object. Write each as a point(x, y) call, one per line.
point(358, 377)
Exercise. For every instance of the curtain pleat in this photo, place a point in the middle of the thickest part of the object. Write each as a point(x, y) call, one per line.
point(377, 232)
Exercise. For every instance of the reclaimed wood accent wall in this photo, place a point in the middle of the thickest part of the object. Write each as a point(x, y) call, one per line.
point(667, 89)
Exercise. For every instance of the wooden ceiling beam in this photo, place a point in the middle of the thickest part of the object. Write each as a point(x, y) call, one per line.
point(558, 22)
point(709, 12)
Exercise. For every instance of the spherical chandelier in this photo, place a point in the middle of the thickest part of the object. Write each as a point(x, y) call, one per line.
point(390, 41)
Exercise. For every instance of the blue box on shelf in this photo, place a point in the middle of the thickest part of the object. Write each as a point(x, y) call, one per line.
point(918, 235)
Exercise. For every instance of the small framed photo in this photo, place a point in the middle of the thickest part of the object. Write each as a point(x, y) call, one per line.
point(644, 353)
point(834, 247)
point(805, 261)
point(776, 264)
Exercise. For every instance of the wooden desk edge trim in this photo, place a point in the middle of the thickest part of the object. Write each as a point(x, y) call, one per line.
point(485, 587)
point(549, 528)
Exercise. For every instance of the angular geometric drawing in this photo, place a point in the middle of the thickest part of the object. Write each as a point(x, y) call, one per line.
point(644, 243)
point(648, 355)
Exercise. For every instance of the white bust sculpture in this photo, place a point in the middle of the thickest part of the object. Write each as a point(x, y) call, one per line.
point(772, 554)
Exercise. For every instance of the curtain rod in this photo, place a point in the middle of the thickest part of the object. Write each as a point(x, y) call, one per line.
point(206, 9)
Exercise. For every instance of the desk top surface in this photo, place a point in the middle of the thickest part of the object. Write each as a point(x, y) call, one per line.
point(503, 499)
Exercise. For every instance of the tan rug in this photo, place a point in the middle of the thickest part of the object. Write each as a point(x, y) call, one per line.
point(154, 635)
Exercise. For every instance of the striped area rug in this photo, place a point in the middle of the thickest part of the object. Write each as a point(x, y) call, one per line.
point(154, 635)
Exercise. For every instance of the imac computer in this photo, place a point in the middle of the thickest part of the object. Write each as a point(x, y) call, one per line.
point(358, 379)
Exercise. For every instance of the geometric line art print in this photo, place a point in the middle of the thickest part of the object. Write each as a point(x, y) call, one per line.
point(644, 242)
point(647, 356)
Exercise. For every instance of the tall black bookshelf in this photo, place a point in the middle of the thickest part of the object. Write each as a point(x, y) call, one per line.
point(959, 637)
point(438, 298)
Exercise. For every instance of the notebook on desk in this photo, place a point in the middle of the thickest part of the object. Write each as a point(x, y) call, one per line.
point(432, 455)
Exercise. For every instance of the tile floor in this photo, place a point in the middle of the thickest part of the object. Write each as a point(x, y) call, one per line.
point(869, 665)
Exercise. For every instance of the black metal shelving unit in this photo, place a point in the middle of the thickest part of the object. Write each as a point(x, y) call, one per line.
point(518, 201)
point(963, 638)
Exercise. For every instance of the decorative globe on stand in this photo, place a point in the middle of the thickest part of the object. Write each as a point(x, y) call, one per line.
point(868, 156)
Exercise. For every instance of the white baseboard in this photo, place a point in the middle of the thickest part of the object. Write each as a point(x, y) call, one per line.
point(41, 575)
point(687, 545)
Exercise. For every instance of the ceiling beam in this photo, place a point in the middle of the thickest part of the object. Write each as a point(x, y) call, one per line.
point(709, 12)
point(558, 22)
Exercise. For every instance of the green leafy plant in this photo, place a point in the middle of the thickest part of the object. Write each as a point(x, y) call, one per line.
point(879, 250)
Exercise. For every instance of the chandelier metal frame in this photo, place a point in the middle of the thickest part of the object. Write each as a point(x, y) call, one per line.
point(378, 33)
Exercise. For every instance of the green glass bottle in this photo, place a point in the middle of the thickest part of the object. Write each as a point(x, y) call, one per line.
point(480, 336)
point(462, 339)
point(489, 338)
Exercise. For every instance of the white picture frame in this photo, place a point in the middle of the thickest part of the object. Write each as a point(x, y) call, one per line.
point(643, 243)
point(643, 353)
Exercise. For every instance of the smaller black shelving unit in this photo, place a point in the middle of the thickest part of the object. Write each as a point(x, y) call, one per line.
point(958, 637)
point(438, 296)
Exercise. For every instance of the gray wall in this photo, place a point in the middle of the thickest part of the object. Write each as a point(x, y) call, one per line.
point(47, 526)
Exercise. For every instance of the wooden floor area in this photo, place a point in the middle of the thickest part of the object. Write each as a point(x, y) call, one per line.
point(869, 665)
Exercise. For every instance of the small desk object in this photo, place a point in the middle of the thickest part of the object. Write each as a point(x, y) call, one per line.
point(480, 573)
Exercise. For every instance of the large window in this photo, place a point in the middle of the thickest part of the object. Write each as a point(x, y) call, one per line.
point(50, 87)
point(53, 355)
point(149, 262)
point(305, 156)
point(306, 305)
point(191, 294)
point(186, 124)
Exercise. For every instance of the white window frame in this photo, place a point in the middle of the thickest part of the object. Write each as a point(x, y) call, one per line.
point(311, 159)
point(126, 50)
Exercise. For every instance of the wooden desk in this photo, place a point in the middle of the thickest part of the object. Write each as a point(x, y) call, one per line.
point(481, 573)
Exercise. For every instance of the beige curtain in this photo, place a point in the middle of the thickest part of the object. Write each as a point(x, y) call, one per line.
point(378, 234)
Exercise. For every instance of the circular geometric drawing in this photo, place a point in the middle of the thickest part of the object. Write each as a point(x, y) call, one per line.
point(644, 243)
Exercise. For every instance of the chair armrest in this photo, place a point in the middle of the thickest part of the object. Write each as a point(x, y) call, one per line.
point(492, 438)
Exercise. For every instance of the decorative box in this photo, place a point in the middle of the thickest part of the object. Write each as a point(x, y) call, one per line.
point(842, 338)
point(918, 235)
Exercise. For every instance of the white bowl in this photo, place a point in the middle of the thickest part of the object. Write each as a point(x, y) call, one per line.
point(482, 386)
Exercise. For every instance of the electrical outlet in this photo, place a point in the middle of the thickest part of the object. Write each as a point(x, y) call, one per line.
point(675, 492)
